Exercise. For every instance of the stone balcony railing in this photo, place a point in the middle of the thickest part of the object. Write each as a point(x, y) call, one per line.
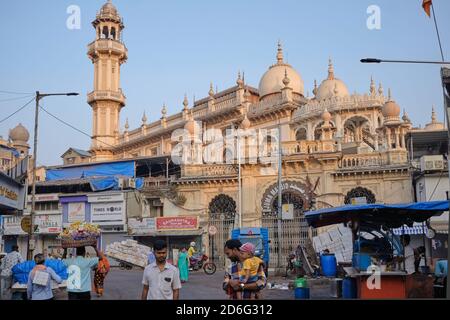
point(362, 161)
point(107, 95)
point(107, 45)
point(156, 183)
point(211, 170)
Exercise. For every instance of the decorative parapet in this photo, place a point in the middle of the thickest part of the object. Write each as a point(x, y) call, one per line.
point(316, 108)
point(107, 95)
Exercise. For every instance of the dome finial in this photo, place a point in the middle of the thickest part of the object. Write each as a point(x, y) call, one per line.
point(315, 90)
point(373, 88)
point(330, 69)
point(389, 94)
point(144, 119)
point(211, 90)
point(280, 53)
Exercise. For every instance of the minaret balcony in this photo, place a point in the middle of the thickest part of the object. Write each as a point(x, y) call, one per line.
point(116, 96)
point(108, 46)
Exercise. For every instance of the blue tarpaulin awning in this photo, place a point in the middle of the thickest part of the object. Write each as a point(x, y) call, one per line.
point(126, 168)
point(388, 215)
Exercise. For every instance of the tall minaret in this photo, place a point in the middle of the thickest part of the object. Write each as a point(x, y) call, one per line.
point(107, 53)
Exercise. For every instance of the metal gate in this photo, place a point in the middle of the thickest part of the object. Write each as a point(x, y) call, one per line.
point(294, 232)
point(217, 242)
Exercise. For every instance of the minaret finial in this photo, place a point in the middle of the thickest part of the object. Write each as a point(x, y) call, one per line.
point(286, 79)
point(389, 94)
point(373, 88)
point(380, 90)
point(433, 115)
point(239, 81)
point(211, 90)
point(330, 69)
point(144, 119)
point(127, 125)
point(280, 53)
point(185, 102)
point(164, 111)
point(315, 90)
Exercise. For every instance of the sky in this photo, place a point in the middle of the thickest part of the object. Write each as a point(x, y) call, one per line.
point(180, 46)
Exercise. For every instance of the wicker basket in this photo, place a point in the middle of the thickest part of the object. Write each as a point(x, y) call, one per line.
point(70, 243)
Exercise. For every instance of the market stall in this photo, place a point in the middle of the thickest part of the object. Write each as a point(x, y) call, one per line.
point(378, 264)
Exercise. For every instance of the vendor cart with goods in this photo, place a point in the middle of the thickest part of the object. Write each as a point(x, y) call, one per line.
point(367, 260)
point(128, 253)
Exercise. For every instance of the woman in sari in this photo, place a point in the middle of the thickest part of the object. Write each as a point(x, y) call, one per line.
point(183, 265)
point(100, 274)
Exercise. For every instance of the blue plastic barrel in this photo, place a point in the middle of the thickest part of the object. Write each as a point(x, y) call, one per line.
point(361, 261)
point(301, 293)
point(349, 288)
point(329, 265)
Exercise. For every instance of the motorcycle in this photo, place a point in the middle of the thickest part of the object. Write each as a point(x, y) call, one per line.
point(201, 262)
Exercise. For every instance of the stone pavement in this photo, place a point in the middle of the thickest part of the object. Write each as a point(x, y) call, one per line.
point(127, 285)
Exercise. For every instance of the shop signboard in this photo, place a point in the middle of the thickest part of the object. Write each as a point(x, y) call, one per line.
point(12, 194)
point(48, 224)
point(108, 213)
point(76, 212)
point(176, 223)
point(51, 197)
point(142, 226)
point(12, 226)
point(108, 209)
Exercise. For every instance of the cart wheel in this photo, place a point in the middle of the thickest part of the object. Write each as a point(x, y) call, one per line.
point(210, 268)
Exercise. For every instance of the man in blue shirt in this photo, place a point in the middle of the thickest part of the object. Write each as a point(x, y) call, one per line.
point(79, 282)
point(39, 291)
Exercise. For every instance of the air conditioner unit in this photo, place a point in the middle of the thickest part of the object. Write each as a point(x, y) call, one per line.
point(129, 184)
point(432, 163)
point(121, 183)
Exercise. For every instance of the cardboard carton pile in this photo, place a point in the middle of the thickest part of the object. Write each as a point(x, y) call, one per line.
point(338, 241)
point(129, 251)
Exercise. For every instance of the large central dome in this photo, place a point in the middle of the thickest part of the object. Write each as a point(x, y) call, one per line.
point(272, 81)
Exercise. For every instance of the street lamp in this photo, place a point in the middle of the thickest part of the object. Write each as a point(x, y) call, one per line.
point(39, 96)
point(446, 93)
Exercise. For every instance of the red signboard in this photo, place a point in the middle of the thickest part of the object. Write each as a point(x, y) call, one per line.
point(176, 223)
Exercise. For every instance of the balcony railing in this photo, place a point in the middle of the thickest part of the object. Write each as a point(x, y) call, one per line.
point(361, 161)
point(107, 45)
point(107, 95)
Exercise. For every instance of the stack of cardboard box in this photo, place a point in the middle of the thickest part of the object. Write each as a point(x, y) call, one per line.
point(337, 240)
point(129, 251)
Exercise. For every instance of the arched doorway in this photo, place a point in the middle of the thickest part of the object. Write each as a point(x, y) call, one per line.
point(294, 228)
point(360, 192)
point(222, 213)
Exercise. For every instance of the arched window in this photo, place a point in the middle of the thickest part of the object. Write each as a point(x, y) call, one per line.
point(222, 205)
point(289, 198)
point(105, 33)
point(113, 33)
point(360, 192)
point(301, 135)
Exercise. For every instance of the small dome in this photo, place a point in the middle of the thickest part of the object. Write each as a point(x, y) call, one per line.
point(19, 134)
point(272, 81)
point(331, 86)
point(326, 116)
point(109, 9)
point(391, 109)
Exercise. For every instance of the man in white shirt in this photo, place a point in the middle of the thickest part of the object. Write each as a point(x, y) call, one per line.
point(408, 254)
point(161, 280)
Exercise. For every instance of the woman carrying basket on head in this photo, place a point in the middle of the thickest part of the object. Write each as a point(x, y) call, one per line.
point(100, 274)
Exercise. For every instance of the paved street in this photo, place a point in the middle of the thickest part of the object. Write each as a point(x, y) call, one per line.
point(126, 285)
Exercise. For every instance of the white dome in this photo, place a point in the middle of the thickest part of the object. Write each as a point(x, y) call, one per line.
point(19, 134)
point(331, 86)
point(272, 81)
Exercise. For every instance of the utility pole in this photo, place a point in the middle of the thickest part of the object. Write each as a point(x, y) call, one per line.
point(280, 200)
point(39, 96)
